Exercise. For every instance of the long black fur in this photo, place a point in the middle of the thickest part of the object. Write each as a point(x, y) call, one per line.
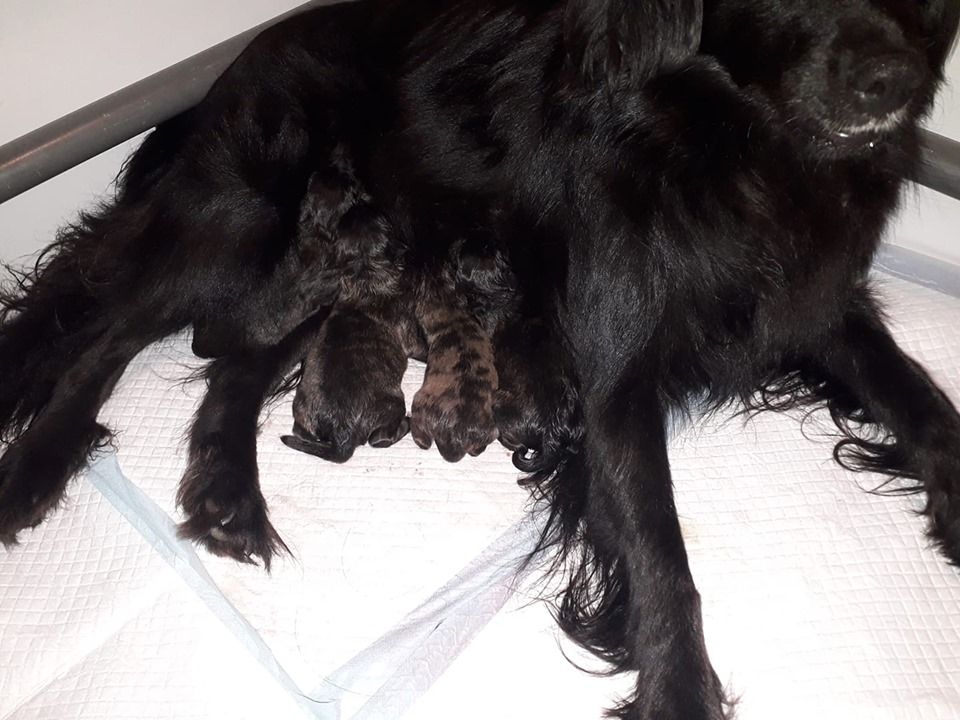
point(680, 222)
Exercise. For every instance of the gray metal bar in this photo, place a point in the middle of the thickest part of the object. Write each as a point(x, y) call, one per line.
point(941, 164)
point(79, 136)
point(919, 269)
point(58, 146)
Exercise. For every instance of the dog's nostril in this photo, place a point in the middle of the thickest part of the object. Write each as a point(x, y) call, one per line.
point(877, 90)
point(883, 84)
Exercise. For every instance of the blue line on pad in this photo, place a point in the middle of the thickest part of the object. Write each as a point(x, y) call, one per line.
point(161, 533)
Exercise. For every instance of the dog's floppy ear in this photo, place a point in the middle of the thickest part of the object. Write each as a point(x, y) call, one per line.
point(620, 42)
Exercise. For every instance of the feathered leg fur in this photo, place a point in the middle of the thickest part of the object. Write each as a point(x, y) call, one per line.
point(220, 489)
point(203, 229)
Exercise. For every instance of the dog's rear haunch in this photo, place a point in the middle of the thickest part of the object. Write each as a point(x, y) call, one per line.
point(688, 198)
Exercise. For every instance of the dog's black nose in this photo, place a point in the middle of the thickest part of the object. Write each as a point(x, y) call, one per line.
point(882, 84)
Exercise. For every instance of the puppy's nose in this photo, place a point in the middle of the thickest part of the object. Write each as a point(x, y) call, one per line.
point(883, 84)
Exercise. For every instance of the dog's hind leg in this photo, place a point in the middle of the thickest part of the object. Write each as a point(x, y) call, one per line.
point(36, 466)
point(220, 490)
point(336, 237)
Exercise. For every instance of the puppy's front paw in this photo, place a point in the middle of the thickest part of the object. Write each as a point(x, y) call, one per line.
point(225, 510)
point(454, 408)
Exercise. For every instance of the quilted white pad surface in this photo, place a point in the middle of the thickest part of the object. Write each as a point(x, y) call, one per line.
point(401, 598)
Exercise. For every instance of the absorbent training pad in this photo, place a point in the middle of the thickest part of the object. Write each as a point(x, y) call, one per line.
point(403, 598)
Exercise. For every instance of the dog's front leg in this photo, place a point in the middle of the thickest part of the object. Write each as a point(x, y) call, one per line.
point(219, 492)
point(637, 605)
point(899, 395)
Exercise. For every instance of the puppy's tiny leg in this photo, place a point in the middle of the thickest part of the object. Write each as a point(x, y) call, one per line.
point(454, 407)
point(536, 407)
point(220, 489)
point(349, 392)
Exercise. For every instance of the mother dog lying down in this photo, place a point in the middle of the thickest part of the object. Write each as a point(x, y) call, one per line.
point(692, 220)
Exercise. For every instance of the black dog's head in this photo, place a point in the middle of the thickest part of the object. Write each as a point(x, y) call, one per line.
point(847, 74)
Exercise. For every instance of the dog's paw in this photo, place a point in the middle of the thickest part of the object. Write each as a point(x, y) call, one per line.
point(521, 431)
point(338, 447)
point(454, 410)
point(33, 478)
point(20, 511)
point(225, 511)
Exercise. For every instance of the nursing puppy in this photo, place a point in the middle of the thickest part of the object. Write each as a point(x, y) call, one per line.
point(685, 228)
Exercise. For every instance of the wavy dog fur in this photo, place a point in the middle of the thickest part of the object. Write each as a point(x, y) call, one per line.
point(206, 228)
point(677, 221)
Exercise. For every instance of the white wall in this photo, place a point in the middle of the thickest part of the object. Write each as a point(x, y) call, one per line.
point(59, 55)
point(946, 116)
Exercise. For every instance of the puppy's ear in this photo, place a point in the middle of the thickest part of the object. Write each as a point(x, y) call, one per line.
point(624, 42)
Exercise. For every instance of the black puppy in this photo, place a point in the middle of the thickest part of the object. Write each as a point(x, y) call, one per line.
point(687, 228)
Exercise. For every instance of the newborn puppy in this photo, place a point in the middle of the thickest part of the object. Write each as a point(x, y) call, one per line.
point(349, 389)
point(349, 392)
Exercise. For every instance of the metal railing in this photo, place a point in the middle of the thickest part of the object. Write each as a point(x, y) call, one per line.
point(941, 164)
point(57, 146)
point(81, 135)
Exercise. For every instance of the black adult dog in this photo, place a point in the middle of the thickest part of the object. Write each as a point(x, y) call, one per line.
point(683, 227)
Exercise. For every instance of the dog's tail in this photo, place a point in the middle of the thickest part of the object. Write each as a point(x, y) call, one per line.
point(52, 311)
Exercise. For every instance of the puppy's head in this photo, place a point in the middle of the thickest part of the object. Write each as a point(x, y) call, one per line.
point(845, 74)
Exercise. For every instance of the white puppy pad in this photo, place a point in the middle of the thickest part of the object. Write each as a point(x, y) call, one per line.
point(818, 597)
